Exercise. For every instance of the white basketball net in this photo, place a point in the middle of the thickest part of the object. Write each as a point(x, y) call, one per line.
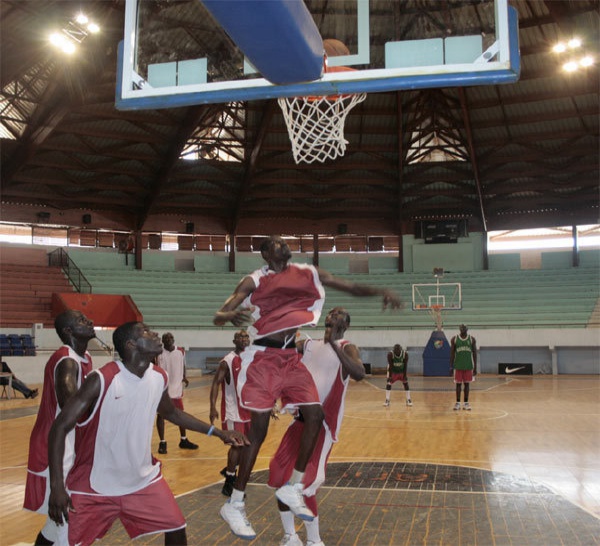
point(316, 125)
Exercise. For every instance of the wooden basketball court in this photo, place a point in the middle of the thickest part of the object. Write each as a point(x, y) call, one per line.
point(521, 468)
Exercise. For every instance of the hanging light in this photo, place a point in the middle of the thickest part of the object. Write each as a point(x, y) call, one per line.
point(569, 46)
point(73, 33)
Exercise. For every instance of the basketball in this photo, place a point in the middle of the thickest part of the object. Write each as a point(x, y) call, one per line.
point(335, 48)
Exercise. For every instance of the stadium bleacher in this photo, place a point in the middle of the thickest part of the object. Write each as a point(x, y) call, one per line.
point(491, 299)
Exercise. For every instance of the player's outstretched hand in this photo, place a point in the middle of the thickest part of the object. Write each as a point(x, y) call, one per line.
point(241, 317)
point(391, 299)
point(59, 505)
point(234, 438)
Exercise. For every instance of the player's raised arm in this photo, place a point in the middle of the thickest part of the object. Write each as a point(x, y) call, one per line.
point(390, 297)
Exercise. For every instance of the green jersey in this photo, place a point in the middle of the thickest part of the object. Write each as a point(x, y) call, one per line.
point(463, 353)
point(398, 362)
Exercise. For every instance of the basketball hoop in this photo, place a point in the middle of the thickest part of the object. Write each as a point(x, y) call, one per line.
point(316, 124)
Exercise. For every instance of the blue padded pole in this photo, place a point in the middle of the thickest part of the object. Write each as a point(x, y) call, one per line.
point(279, 37)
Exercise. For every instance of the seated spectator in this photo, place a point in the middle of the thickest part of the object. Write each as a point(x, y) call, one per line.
point(17, 384)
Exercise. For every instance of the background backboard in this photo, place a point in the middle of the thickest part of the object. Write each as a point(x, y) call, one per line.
point(437, 297)
point(174, 53)
point(445, 296)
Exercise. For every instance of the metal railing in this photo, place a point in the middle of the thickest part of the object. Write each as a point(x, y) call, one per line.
point(59, 258)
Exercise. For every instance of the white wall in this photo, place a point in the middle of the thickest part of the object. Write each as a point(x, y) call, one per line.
point(374, 346)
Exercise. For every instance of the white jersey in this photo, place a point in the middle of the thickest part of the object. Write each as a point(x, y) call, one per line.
point(113, 446)
point(173, 362)
point(326, 370)
point(230, 409)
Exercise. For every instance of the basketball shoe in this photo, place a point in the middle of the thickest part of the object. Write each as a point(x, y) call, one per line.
point(457, 406)
point(291, 540)
point(234, 513)
point(186, 444)
point(467, 406)
point(409, 403)
point(292, 496)
point(162, 448)
point(386, 404)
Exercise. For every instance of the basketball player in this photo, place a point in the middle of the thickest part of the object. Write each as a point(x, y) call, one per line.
point(172, 360)
point(397, 371)
point(64, 372)
point(114, 475)
point(233, 417)
point(279, 298)
point(463, 360)
point(331, 362)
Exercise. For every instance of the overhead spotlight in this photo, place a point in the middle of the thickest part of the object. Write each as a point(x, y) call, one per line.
point(69, 48)
point(61, 42)
point(586, 61)
point(74, 32)
point(57, 39)
point(571, 66)
point(561, 47)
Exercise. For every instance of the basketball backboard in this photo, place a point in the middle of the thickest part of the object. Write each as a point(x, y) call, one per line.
point(443, 296)
point(174, 53)
point(437, 297)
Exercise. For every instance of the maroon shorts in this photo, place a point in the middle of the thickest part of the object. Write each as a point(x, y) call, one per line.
point(283, 462)
point(463, 376)
point(270, 374)
point(397, 377)
point(150, 510)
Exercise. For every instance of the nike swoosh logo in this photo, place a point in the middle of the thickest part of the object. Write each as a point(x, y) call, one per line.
point(512, 370)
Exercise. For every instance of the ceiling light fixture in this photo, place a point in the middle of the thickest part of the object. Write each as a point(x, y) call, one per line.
point(73, 33)
point(572, 65)
point(561, 47)
point(586, 61)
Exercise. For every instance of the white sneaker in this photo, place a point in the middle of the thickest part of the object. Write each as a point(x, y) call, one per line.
point(234, 513)
point(467, 406)
point(457, 406)
point(290, 540)
point(291, 495)
point(386, 404)
point(409, 403)
point(311, 543)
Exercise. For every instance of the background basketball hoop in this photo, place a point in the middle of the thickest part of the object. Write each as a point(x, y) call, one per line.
point(437, 297)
